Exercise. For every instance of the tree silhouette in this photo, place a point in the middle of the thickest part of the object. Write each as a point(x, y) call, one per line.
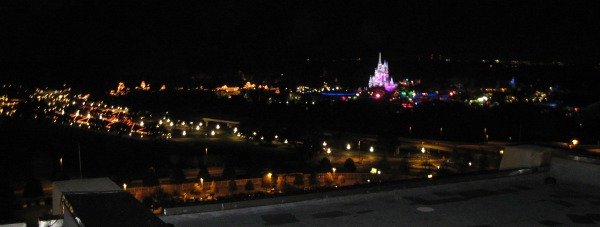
point(325, 165)
point(349, 166)
point(249, 185)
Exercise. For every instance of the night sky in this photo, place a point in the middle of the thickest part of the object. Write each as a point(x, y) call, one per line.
point(261, 34)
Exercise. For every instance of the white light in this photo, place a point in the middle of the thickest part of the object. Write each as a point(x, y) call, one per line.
point(430, 176)
point(124, 186)
point(183, 123)
point(423, 150)
point(142, 123)
point(501, 151)
point(235, 130)
point(218, 127)
point(371, 149)
point(378, 171)
point(160, 122)
point(197, 128)
point(200, 124)
point(254, 133)
point(171, 124)
point(470, 164)
point(285, 141)
point(239, 134)
point(334, 169)
point(348, 147)
point(328, 150)
point(262, 138)
point(212, 132)
point(324, 143)
point(183, 133)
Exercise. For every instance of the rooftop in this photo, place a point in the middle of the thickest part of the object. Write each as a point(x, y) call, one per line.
point(110, 209)
point(524, 200)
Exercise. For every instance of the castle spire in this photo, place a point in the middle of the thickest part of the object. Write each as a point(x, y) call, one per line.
point(379, 63)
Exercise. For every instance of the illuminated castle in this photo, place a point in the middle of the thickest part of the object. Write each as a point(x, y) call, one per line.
point(381, 77)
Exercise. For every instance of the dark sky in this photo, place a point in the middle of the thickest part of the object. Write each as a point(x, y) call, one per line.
point(205, 34)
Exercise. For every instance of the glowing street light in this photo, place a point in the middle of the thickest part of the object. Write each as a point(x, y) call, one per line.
point(142, 123)
point(197, 128)
point(470, 163)
point(235, 130)
point(324, 143)
point(171, 124)
point(429, 176)
point(218, 127)
point(371, 149)
point(328, 150)
point(212, 132)
point(183, 133)
point(262, 138)
point(160, 122)
point(348, 147)
point(276, 136)
point(124, 186)
point(269, 175)
point(501, 151)
point(575, 142)
point(285, 141)
point(254, 133)
point(423, 150)
point(333, 169)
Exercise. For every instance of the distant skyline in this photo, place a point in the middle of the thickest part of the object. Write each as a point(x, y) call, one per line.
point(257, 35)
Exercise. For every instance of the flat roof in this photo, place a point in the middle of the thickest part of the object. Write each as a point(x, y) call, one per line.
point(89, 184)
point(109, 209)
point(510, 201)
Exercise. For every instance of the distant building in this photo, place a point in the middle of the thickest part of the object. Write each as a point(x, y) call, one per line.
point(381, 77)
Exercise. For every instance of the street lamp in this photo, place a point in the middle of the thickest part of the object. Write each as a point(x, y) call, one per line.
point(423, 150)
point(324, 143)
point(328, 150)
point(212, 132)
point(575, 142)
point(333, 169)
point(348, 147)
point(218, 127)
point(501, 152)
point(371, 149)
point(124, 186)
point(183, 133)
point(235, 130)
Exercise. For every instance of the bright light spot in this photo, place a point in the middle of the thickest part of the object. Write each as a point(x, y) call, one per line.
point(200, 124)
point(212, 132)
point(373, 170)
point(218, 127)
point(276, 136)
point(235, 130)
point(371, 149)
point(160, 122)
point(328, 150)
point(239, 134)
point(269, 175)
point(262, 138)
point(183, 123)
point(575, 142)
point(324, 143)
point(501, 151)
point(142, 123)
point(368, 180)
point(183, 133)
point(378, 171)
point(470, 163)
point(377, 95)
point(171, 124)
point(348, 147)
point(423, 150)
point(254, 133)
point(333, 169)
point(197, 128)
point(124, 186)
point(429, 176)
point(285, 141)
